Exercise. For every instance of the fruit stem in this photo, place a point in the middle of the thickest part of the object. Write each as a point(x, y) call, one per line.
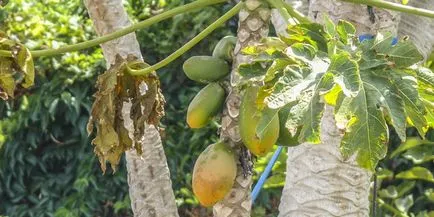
point(189, 44)
point(119, 33)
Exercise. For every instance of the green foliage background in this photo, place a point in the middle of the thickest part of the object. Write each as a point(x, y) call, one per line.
point(47, 166)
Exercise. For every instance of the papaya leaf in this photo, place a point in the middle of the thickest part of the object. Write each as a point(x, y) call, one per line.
point(393, 105)
point(425, 75)
point(366, 130)
point(406, 87)
point(296, 113)
point(312, 34)
point(346, 31)
point(310, 131)
point(346, 73)
point(288, 89)
point(402, 54)
point(330, 27)
point(420, 173)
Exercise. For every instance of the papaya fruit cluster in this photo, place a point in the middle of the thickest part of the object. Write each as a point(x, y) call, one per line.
point(215, 170)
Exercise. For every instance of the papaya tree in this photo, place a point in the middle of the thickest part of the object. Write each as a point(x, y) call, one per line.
point(341, 82)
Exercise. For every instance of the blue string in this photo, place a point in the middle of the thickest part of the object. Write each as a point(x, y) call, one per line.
point(370, 37)
point(265, 174)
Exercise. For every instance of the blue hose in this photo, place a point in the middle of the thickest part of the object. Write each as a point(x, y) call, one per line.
point(265, 174)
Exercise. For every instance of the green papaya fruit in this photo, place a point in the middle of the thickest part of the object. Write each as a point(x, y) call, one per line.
point(248, 121)
point(225, 48)
point(205, 69)
point(285, 137)
point(205, 105)
point(214, 173)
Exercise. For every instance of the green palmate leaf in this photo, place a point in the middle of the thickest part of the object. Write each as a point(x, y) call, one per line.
point(403, 54)
point(288, 88)
point(425, 75)
point(296, 113)
point(312, 34)
point(406, 87)
point(416, 173)
point(420, 154)
point(392, 103)
point(287, 136)
point(409, 144)
point(304, 50)
point(366, 131)
point(346, 31)
point(346, 72)
point(310, 131)
point(252, 70)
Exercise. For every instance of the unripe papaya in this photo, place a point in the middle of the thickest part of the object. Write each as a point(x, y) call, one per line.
point(214, 173)
point(225, 48)
point(285, 137)
point(205, 105)
point(248, 122)
point(205, 69)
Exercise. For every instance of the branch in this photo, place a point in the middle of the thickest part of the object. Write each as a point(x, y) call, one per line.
point(140, 25)
point(395, 7)
point(189, 44)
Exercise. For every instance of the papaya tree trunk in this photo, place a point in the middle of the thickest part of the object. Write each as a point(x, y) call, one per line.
point(319, 181)
point(419, 29)
point(252, 27)
point(149, 181)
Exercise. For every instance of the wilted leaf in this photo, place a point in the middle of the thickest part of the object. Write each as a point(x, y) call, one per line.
point(118, 91)
point(15, 70)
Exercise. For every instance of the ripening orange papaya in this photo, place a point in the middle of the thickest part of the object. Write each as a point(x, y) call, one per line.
point(249, 120)
point(205, 105)
point(214, 173)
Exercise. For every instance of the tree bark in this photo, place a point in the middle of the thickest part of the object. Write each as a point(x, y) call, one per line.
point(149, 181)
point(319, 182)
point(252, 27)
point(419, 29)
